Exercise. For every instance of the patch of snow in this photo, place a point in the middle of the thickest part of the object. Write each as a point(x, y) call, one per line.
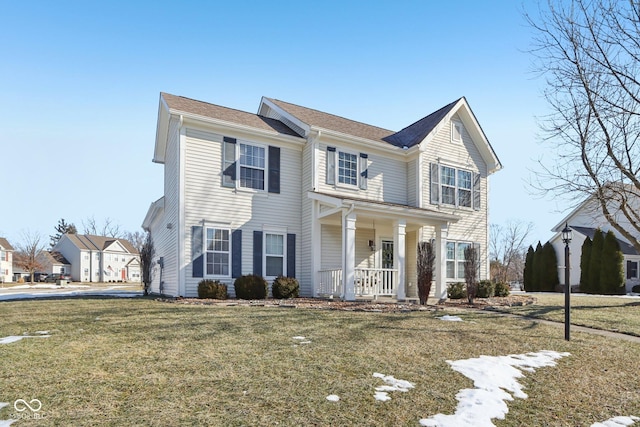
point(382, 396)
point(305, 342)
point(10, 296)
point(449, 318)
point(617, 422)
point(14, 338)
point(333, 398)
point(299, 338)
point(393, 384)
point(42, 332)
point(5, 423)
point(492, 376)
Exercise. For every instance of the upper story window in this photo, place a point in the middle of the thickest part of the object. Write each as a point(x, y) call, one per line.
point(455, 187)
point(257, 166)
point(347, 169)
point(252, 161)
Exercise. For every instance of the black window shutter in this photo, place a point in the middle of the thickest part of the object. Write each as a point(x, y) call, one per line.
point(197, 257)
point(229, 161)
point(291, 255)
point(274, 169)
point(364, 171)
point(257, 253)
point(236, 253)
point(331, 165)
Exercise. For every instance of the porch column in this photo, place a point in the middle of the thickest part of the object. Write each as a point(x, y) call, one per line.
point(399, 232)
point(441, 261)
point(349, 256)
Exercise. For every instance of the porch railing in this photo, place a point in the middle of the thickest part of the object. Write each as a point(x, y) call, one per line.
point(368, 281)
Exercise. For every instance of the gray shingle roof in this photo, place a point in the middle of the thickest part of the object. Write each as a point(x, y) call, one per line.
point(56, 257)
point(91, 242)
point(187, 105)
point(625, 247)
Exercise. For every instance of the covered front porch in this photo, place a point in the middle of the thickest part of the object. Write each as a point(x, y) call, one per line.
point(364, 249)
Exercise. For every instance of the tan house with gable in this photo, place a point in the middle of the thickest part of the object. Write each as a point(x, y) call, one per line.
point(6, 261)
point(338, 204)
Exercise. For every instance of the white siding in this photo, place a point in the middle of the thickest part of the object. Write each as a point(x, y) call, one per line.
point(411, 256)
point(473, 225)
point(412, 177)
point(305, 240)
point(331, 247)
point(387, 177)
point(205, 199)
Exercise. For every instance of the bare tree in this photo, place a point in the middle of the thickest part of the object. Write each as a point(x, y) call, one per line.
point(147, 253)
point(589, 54)
point(109, 228)
point(29, 249)
point(136, 238)
point(507, 250)
point(426, 258)
point(471, 265)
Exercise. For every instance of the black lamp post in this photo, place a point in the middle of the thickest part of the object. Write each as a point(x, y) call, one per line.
point(566, 238)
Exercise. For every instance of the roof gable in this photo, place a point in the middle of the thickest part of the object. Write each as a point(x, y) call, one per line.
point(101, 243)
point(4, 245)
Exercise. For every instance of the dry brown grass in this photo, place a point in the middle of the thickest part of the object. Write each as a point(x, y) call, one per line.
point(142, 362)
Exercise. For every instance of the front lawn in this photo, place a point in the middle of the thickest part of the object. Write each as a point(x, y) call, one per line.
point(143, 362)
point(617, 314)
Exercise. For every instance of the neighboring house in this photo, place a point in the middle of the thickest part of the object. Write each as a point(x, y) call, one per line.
point(338, 204)
point(53, 262)
point(99, 258)
point(584, 220)
point(6, 261)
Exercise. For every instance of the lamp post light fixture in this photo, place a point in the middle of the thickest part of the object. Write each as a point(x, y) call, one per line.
point(566, 238)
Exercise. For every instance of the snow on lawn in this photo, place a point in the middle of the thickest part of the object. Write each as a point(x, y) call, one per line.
point(302, 340)
point(14, 338)
point(617, 422)
point(393, 384)
point(333, 398)
point(493, 377)
point(5, 423)
point(449, 318)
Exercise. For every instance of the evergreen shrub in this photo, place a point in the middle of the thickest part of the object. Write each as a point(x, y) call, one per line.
point(251, 286)
point(502, 290)
point(285, 287)
point(456, 290)
point(208, 288)
point(485, 289)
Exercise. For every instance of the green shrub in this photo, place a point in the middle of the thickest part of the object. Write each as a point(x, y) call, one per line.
point(208, 288)
point(485, 289)
point(285, 287)
point(636, 289)
point(502, 290)
point(251, 287)
point(456, 290)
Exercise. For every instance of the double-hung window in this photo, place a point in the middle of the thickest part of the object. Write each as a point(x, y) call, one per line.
point(454, 186)
point(217, 252)
point(455, 259)
point(347, 169)
point(252, 166)
point(274, 251)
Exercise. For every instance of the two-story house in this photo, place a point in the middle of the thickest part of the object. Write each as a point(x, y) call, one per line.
point(6, 261)
point(99, 258)
point(338, 204)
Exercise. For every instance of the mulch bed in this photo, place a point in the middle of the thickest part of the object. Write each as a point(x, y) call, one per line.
point(370, 306)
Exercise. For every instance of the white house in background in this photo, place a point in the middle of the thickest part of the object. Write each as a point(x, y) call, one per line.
point(338, 204)
point(6, 261)
point(99, 258)
point(54, 262)
point(584, 220)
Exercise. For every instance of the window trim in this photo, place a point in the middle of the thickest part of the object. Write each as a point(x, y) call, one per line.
point(264, 169)
point(205, 252)
point(456, 125)
point(337, 169)
point(277, 232)
point(457, 262)
point(474, 196)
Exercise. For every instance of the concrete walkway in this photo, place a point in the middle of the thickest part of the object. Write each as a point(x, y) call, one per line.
point(45, 290)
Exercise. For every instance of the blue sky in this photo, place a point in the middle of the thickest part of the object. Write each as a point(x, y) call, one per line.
point(80, 83)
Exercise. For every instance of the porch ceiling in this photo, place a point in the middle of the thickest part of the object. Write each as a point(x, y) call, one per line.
point(370, 210)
